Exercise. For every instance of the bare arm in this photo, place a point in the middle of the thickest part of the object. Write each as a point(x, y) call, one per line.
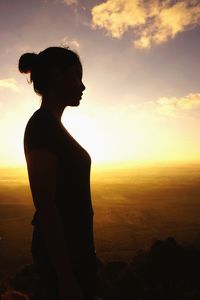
point(42, 170)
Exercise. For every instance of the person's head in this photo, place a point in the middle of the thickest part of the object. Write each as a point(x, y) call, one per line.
point(56, 71)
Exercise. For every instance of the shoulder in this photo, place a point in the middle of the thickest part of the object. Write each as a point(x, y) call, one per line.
point(39, 119)
point(40, 131)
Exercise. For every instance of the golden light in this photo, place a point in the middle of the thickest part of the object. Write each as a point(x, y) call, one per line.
point(111, 135)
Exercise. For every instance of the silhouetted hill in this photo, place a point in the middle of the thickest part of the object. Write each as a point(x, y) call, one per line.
point(168, 271)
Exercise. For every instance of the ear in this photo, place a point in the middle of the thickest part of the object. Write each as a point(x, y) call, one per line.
point(54, 76)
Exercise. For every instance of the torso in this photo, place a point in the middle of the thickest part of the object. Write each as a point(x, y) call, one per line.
point(73, 197)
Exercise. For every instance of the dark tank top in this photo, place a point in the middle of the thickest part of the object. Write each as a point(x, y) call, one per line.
point(73, 198)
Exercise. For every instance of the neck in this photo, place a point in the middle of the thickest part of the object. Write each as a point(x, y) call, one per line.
point(52, 107)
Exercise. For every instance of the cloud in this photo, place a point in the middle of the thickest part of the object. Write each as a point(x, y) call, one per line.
point(170, 106)
point(152, 22)
point(116, 16)
point(70, 2)
point(9, 83)
point(72, 43)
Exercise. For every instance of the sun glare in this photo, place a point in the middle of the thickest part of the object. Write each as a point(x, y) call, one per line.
point(111, 135)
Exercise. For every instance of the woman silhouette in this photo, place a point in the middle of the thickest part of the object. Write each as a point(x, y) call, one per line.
point(59, 175)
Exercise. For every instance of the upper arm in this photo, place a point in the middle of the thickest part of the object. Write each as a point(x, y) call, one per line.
point(42, 171)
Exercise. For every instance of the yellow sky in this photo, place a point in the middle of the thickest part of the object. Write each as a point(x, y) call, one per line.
point(112, 134)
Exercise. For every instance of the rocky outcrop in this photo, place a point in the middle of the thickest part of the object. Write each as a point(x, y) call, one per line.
point(168, 271)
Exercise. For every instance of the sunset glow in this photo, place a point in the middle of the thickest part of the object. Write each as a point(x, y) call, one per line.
point(141, 71)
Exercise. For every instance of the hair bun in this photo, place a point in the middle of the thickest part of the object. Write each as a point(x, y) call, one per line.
point(26, 62)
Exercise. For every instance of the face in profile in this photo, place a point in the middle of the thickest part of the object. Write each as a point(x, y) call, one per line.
point(70, 86)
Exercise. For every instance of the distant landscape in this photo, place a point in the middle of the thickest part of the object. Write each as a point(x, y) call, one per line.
point(133, 207)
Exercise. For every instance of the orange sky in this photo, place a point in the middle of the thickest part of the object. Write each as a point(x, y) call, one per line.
point(141, 71)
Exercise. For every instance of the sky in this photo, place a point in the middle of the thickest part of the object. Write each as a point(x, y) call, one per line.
point(141, 69)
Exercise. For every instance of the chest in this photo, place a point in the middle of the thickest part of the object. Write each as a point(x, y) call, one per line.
point(74, 160)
